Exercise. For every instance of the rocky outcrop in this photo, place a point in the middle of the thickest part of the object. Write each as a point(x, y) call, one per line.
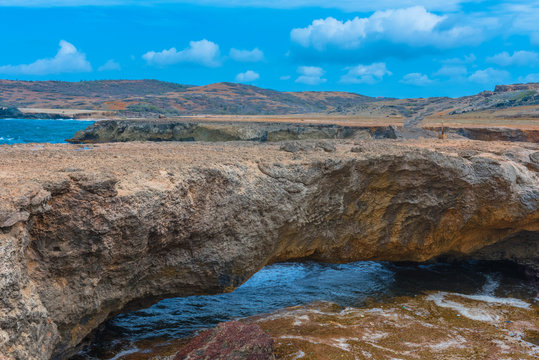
point(516, 87)
point(492, 133)
point(171, 130)
point(87, 232)
point(14, 113)
point(163, 130)
point(229, 341)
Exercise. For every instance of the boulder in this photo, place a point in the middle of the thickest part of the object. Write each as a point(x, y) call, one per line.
point(229, 341)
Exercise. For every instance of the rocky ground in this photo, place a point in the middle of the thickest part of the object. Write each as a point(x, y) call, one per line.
point(272, 130)
point(430, 326)
point(90, 231)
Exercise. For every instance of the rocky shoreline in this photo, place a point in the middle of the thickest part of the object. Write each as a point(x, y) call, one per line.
point(454, 311)
point(102, 229)
point(216, 131)
point(435, 325)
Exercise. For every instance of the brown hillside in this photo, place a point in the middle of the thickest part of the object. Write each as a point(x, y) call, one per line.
point(149, 98)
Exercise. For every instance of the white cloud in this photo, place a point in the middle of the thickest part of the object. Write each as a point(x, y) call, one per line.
point(414, 26)
point(416, 79)
point(330, 31)
point(365, 74)
point(519, 58)
point(522, 18)
point(247, 76)
point(254, 55)
point(346, 5)
point(311, 75)
point(67, 60)
point(110, 65)
point(490, 76)
point(529, 78)
point(452, 71)
point(201, 52)
point(467, 59)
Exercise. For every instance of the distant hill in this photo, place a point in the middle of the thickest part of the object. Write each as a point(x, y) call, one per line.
point(147, 98)
point(522, 97)
point(152, 96)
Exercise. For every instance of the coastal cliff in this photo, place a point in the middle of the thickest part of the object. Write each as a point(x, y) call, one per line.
point(173, 130)
point(87, 232)
point(178, 130)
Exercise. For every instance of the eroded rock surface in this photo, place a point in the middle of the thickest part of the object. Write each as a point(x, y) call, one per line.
point(173, 130)
point(436, 325)
point(177, 130)
point(87, 232)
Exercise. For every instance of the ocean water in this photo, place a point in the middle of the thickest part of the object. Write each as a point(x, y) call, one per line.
point(20, 131)
point(288, 284)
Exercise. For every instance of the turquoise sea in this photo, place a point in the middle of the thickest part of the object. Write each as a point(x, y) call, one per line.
point(20, 131)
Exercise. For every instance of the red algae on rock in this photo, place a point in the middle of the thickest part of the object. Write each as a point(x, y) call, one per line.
point(231, 341)
point(430, 326)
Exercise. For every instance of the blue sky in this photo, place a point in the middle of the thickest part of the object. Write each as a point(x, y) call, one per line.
point(398, 48)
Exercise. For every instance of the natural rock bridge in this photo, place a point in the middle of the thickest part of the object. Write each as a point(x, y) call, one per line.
point(86, 233)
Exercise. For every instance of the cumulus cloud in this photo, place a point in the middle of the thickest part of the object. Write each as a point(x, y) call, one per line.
point(365, 74)
point(110, 65)
point(489, 76)
point(452, 71)
point(467, 59)
point(519, 58)
point(413, 26)
point(254, 55)
point(523, 17)
point(322, 33)
point(529, 78)
point(67, 60)
point(247, 76)
point(201, 52)
point(311, 75)
point(416, 79)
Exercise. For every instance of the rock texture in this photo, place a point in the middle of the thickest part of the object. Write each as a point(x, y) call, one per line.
point(434, 325)
point(229, 341)
point(171, 130)
point(174, 130)
point(493, 133)
point(87, 232)
point(14, 113)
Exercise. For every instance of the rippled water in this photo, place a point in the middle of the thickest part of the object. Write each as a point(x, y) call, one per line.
point(288, 284)
point(19, 131)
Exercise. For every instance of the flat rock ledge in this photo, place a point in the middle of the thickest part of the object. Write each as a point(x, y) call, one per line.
point(88, 232)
